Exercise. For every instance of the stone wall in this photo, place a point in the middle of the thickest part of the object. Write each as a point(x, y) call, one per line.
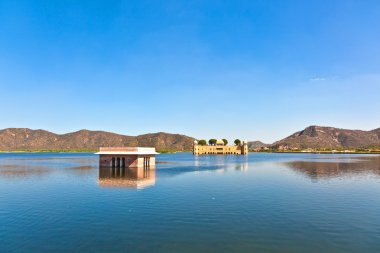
point(106, 160)
point(127, 161)
point(220, 150)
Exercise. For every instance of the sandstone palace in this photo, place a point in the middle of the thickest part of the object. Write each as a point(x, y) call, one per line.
point(219, 147)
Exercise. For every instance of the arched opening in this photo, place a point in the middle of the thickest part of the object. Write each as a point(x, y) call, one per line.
point(118, 162)
point(123, 162)
point(146, 162)
point(113, 162)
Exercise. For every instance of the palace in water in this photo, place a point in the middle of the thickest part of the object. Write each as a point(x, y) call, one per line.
point(220, 149)
point(127, 166)
point(127, 157)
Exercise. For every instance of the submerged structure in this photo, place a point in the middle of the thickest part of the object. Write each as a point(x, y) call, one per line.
point(127, 157)
point(220, 149)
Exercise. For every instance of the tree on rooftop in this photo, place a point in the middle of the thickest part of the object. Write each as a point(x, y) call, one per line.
point(225, 141)
point(202, 142)
point(212, 141)
point(237, 142)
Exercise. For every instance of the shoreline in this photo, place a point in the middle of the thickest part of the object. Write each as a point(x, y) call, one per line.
point(77, 151)
point(46, 151)
point(186, 151)
point(320, 152)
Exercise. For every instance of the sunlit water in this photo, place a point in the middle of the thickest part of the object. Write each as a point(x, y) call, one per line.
point(260, 203)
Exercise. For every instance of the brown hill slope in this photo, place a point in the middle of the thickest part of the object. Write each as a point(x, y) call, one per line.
point(257, 144)
point(318, 137)
point(28, 139)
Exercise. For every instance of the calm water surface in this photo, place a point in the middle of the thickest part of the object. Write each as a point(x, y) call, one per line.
point(260, 203)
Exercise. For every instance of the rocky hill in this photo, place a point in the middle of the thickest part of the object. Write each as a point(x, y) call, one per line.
point(313, 137)
point(318, 137)
point(257, 145)
point(28, 139)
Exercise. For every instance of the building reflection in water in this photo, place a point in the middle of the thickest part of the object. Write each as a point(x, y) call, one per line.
point(224, 162)
point(326, 169)
point(242, 167)
point(138, 177)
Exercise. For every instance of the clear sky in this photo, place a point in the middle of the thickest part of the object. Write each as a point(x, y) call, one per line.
point(257, 70)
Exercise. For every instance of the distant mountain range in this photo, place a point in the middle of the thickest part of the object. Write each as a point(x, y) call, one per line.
point(318, 137)
point(257, 145)
point(313, 137)
point(28, 139)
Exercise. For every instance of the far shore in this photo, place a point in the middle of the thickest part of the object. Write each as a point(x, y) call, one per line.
point(80, 151)
point(318, 152)
point(48, 151)
point(186, 151)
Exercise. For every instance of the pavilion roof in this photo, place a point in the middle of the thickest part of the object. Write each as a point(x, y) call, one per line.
point(126, 151)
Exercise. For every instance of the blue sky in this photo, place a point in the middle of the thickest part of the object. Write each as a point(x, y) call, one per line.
point(257, 70)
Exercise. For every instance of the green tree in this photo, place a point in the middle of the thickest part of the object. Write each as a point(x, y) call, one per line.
point(212, 141)
point(237, 142)
point(202, 142)
point(225, 141)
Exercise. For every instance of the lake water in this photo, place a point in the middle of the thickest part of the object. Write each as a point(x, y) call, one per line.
point(261, 203)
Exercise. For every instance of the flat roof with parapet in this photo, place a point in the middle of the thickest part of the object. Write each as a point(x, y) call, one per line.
point(126, 151)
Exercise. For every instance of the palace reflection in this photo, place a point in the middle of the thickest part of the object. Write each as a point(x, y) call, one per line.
point(138, 177)
point(242, 166)
point(223, 163)
point(326, 169)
